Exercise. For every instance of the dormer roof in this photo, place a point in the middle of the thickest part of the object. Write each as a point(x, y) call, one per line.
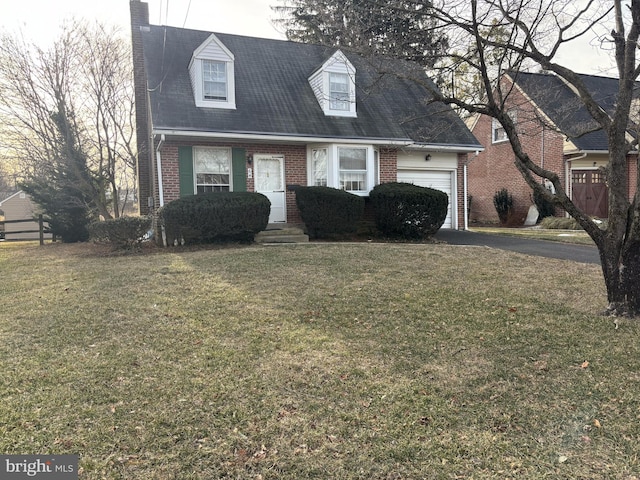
point(336, 71)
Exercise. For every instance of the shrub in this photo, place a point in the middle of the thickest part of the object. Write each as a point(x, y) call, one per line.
point(544, 206)
point(408, 211)
point(329, 212)
point(503, 202)
point(560, 223)
point(215, 217)
point(123, 232)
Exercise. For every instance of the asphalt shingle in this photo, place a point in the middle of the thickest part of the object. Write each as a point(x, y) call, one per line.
point(273, 95)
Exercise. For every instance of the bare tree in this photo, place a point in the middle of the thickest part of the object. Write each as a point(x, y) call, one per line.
point(531, 33)
point(67, 116)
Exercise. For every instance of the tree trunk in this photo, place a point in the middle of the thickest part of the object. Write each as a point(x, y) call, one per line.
point(621, 270)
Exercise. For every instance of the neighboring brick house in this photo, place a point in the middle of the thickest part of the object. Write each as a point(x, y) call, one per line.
point(558, 134)
point(228, 112)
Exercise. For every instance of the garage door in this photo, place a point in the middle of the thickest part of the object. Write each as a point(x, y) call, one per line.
point(438, 180)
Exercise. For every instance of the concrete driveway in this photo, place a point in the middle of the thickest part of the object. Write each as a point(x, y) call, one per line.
point(541, 248)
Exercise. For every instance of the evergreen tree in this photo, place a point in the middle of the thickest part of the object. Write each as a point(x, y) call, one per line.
point(396, 28)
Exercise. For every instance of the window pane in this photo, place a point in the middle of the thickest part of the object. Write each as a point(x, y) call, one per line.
point(352, 163)
point(212, 169)
point(212, 160)
point(319, 166)
point(214, 75)
point(353, 158)
point(339, 91)
point(353, 181)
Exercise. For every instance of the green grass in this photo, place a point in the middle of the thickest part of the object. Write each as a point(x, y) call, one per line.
point(359, 361)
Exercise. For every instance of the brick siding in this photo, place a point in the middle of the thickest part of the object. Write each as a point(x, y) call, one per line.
point(140, 17)
point(494, 168)
point(295, 162)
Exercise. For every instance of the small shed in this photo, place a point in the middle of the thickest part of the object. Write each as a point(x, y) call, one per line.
point(20, 206)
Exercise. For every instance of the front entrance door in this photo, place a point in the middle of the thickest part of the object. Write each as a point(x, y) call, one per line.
point(270, 182)
point(590, 192)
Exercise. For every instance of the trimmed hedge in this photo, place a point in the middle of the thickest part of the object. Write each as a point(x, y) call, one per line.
point(215, 217)
point(123, 232)
point(408, 211)
point(328, 212)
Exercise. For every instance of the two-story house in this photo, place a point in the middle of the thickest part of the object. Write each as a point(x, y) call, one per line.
point(557, 132)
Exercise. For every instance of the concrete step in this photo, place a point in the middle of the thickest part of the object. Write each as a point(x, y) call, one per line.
point(282, 234)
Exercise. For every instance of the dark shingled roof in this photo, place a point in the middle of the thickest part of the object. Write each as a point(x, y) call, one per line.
point(563, 106)
point(273, 95)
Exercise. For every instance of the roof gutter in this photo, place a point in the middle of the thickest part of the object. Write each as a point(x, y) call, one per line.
point(584, 153)
point(446, 148)
point(245, 136)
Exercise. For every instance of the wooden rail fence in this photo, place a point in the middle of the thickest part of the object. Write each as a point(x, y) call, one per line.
point(42, 230)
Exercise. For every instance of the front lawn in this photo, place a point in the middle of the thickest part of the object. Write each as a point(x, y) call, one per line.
point(324, 361)
point(579, 237)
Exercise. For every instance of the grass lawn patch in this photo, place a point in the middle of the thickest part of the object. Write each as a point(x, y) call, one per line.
point(342, 361)
point(579, 237)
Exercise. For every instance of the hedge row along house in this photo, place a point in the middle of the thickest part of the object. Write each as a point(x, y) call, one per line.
point(556, 131)
point(218, 112)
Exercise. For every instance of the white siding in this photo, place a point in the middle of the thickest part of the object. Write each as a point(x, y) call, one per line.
point(319, 81)
point(212, 49)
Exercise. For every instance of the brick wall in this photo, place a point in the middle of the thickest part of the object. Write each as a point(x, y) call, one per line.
point(494, 168)
point(388, 160)
point(140, 17)
point(295, 161)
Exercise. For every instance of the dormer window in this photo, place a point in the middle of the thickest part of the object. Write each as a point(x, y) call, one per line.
point(334, 86)
point(212, 75)
point(339, 91)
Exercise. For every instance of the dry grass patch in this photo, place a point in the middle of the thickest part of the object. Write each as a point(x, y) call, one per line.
point(317, 361)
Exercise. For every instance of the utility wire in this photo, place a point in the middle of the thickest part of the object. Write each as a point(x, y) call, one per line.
point(187, 14)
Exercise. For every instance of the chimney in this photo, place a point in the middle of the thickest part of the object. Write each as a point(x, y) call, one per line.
point(140, 22)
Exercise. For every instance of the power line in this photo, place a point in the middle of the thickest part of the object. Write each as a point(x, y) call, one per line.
point(187, 14)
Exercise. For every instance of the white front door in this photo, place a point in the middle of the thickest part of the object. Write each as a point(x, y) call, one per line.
point(270, 182)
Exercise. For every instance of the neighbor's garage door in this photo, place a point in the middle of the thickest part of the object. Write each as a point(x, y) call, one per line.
point(439, 180)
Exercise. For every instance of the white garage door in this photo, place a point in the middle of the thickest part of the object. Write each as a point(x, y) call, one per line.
point(438, 180)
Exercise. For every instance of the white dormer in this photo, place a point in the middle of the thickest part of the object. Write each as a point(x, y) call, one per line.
point(335, 87)
point(212, 75)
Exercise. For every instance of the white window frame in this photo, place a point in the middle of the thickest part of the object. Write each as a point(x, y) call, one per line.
point(333, 175)
point(498, 134)
point(339, 99)
point(224, 98)
point(221, 186)
point(317, 178)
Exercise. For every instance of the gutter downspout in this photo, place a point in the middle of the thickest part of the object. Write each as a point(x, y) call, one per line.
point(466, 197)
point(160, 187)
point(465, 189)
point(159, 170)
